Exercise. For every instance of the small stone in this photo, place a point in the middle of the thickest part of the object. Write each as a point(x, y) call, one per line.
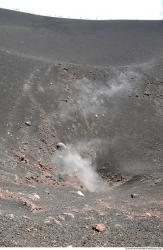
point(10, 216)
point(61, 146)
point(34, 196)
point(61, 217)
point(69, 214)
point(99, 227)
point(147, 94)
point(66, 69)
point(134, 195)
point(117, 225)
point(80, 193)
point(22, 158)
point(28, 123)
point(148, 214)
point(158, 181)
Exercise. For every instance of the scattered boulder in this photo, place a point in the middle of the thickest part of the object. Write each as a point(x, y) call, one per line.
point(147, 94)
point(61, 146)
point(69, 214)
point(99, 227)
point(61, 217)
point(134, 195)
point(34, 196)
point(10, 216)
point(27, 202)
point(28, 123)
point(80, 193)
point(65, 69)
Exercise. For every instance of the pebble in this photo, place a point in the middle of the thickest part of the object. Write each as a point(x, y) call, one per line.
point(66, 69)
point(134, 195)
point(147, 94)
point(10, 216)
point(80, 193)
point(69, 214)
point(34, 196)
point(61, 146)
point(99, 227)
point(61, 217)
point(28, 123)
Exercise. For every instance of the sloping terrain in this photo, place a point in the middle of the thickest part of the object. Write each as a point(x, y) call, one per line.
point(97, 87)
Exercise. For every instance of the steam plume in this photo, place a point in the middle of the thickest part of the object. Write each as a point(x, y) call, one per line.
point(70, 162)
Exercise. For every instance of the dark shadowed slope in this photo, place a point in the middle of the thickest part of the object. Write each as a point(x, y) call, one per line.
point(78, 41)
point(97, 86)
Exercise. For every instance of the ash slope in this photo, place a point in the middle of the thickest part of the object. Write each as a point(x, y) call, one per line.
point(77, 41)
point(111, 110)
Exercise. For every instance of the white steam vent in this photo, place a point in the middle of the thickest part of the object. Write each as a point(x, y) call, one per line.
point(69, 162)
